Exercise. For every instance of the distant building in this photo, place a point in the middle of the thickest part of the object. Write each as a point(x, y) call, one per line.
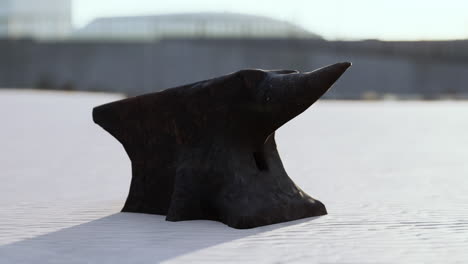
point(192, 25)
point(42, 19)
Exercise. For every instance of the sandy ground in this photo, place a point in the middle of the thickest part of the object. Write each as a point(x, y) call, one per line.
point(393, 176)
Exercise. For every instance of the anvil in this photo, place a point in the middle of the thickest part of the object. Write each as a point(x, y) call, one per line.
point(207, 150)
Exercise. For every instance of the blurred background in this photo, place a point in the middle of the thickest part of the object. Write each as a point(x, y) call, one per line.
point(399, 49)
point(390, 163)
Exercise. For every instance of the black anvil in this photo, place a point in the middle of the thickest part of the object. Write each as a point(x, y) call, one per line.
point(207, 150)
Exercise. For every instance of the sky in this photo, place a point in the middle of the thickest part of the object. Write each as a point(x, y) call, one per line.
point(332, 19)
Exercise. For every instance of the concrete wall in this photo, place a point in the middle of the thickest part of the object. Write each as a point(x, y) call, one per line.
point(405, 69)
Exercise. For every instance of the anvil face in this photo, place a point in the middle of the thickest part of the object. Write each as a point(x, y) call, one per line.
point(207, 150)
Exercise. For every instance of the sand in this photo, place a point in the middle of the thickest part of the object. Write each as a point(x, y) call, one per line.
point(393, 176)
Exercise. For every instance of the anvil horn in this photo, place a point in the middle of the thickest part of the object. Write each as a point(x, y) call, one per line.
point(207, 150)
point(320, 80)
point(291, 93)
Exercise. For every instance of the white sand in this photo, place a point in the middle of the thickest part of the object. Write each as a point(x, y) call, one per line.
point(393, 176)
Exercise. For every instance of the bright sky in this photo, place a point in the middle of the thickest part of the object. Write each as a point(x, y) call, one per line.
point(332, 19)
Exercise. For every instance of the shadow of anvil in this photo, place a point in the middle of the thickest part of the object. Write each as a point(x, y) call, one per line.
point(207, 150)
